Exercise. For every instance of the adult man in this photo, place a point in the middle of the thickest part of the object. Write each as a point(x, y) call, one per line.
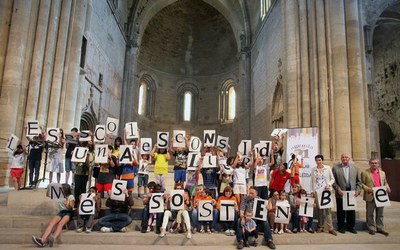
point(347, 178)
point(279, 177)
point(246, 205)
point(118, 219)
point(72, 141)
point(374, 177)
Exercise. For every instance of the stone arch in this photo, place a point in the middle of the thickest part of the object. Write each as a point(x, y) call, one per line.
point(88, 121)
point(146, 10)
point(386, 141)
point(194, 90)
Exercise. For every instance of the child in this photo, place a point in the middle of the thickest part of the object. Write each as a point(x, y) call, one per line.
point(107, 173)
point(226, 171)
point(261, 170)
point(200, 196)
point(239, 178)
point(305, 220)
point(128, 174)
point(250, 229)
point(283, 200)
point(66, 212)
point(147, 217)
point(17, 166)
point(210, 178)
point(227, 195)
point(180, 155)
point(161, 159)
point(90, 217)
point(143, 171)
point(295, 166)
point(272, 210)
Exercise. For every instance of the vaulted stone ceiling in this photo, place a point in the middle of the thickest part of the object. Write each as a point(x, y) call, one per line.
point(191, 38)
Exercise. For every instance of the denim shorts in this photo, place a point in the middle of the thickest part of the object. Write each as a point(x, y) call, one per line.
point(69, 166)
point(180, 175)
point(143, 180)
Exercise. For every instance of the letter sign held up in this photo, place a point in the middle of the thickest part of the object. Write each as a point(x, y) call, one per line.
point(157, 203)
point(145, 145)
point(195, 144)
point(282, 212)
point(53, 135)
point(162, 139)
point(260, 209)
point(125, 154)
point(193, 161)
point(205, 211)
point(222, 143)
point(100, 134)
point(112, 126)
point(244, 147)
point(381, 197)
point(100, 153)
point(12, 143)
point(56, 192)
point(131, 130)
point(210, 161)
point(117, 190)
point(324, 198)
point(87, 204)
point(227, 211)
point(349, 200)
point(177, 201)
point(209, 138)
point(179, 138)
point(306, 207)
point(79, 154)
point(32, 128)
point(85, 135)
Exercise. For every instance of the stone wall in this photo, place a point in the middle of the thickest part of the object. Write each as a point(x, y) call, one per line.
point(266, 51)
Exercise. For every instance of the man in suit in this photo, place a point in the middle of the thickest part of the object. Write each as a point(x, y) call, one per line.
point(374, 177)
point(347, 178)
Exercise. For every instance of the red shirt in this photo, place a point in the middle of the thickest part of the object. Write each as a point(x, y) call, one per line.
point(279, 179)
point(376, 177)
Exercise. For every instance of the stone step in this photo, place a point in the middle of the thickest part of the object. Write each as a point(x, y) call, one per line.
point(23, 236)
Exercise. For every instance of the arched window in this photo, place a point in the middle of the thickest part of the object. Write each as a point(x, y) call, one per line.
point(146, 98)
point(188, 95)
point(187, 106)
point(142, 99)
point(231, 103)
point(227, 101)
point(264, 8)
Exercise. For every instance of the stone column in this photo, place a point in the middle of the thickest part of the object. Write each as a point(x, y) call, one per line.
point(243, 102)
point(37, 61)
point(128, 86)
point(48, 66)
point(356, 84)
point(12, 78)
point(322, 86)
point(72, 83)
point(304, 65)
point(5, 19)
point(339, 67)
point(292, 79)
point(56, 83)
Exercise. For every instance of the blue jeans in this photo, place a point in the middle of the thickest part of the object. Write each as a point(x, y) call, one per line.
point(296, 219)
point(116, 221)
point(34, 166)
point(263, 224)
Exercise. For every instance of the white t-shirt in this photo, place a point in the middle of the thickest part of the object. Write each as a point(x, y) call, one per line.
point(260, 176)
point(18, 161)
point(239, 176)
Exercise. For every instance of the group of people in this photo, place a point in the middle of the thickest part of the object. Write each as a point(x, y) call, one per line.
point(229, 180)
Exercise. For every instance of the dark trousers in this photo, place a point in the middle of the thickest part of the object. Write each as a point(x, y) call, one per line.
point(262, 192)
point(345, 219)
point(116, 221)
point(34, 167)
point(252, 233)
point(146, 216)
point(260, 225)
point(80, 186)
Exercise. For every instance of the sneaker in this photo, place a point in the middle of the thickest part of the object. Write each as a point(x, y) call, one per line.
point(208, 230)
point(148, 229)
point(212, 230)
point(232, 232)
point(280, 231)
point(51, 240)
point(38, 242)
point(288, 231)
point(271, 244)
point(143, 230)
point(310, 230)
point(162, 232)
point(79, 230)
point(276, 231)
point(124, 230)
point(202, 231)
point(295, 231)
point(88, 230)
point(228, 232)
point(105, 229)
point(246, 244)
point(240, 245)
point(189, 235)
